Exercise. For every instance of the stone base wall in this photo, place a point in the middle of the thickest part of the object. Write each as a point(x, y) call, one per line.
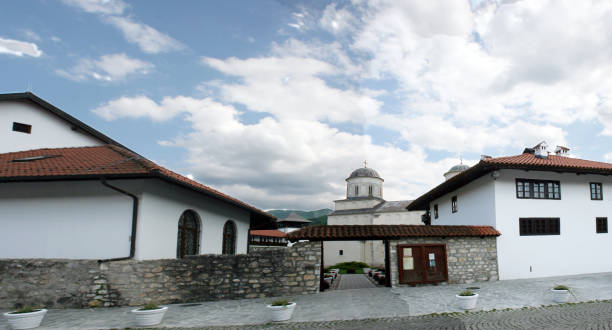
point(469, 259)
point(61, 283)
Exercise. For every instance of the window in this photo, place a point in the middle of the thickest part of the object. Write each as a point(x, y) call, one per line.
point(454, 204)
point(188, 234)
point(356, 190)
point(596, 193)
point(435, 211)
point(229, 237)
point(340, 252)
point(370, 190)
point(23, 128)
point(601, 225)
point(537, 189)
point(539, 226)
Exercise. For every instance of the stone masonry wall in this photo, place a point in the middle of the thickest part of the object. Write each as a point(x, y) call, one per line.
point(61, 283)
point(469, 259)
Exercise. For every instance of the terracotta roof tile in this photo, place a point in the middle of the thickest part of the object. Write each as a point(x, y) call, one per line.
point(95, 162)
point(367, 232)
point(552, 162)
point(269, 233)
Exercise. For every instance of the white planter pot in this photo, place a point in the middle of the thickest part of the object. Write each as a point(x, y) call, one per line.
point(281, 313)
point(467, 302)
point(148, 317)
point(560, 296)
point(25, 320)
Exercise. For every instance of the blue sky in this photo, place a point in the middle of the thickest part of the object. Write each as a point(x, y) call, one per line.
point(276, 102)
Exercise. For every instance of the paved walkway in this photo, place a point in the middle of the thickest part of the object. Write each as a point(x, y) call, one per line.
point(354, 281)
point(395, 306)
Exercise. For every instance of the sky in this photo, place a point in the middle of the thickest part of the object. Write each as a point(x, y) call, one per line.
point(277, 102)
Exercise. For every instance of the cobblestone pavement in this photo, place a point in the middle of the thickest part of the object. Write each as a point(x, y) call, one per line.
point(354, 281)
point(592, 315)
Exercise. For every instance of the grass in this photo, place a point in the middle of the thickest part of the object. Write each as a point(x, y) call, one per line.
point(466, 293)
point(149, 306)
point(26, 309)
point(280, 302)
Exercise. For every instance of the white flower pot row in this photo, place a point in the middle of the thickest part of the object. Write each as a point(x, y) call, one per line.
point(281, 313)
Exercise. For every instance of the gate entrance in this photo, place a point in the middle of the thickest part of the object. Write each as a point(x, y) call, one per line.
point(420, 264)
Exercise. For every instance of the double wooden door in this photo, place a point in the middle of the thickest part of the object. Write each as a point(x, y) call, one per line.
point(422, 263)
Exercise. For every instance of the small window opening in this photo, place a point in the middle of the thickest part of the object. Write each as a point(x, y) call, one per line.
point(601, 225)
point(435, 211)
point(370, 190)
point(23, 128)
point(454, 204)
point(340, 252)
point(356, 190)
point(596, 191)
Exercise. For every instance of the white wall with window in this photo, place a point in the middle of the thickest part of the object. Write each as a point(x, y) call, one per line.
point(161, 207)
point(46, 129)
point(577, 249)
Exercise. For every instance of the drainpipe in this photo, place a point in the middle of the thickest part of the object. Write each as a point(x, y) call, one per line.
point(134, 221)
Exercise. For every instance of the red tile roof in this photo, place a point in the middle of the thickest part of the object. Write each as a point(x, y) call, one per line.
point(269, 233)
point(107, 161)
point(376, 232)
point(552, 162)
point(524, 161)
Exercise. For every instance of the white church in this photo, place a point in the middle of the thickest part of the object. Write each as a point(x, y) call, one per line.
point(364, 205)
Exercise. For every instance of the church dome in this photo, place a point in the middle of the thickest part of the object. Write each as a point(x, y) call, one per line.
point(364, 172)
point(459, 168)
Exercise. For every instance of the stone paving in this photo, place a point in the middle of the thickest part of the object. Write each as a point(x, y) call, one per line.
point(385, 308)
point(354, 281)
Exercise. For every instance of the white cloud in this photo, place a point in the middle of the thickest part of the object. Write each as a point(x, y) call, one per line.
point(111, 67)
point(29, 34)
point(108, 7)
point(337, 20)
point(278, 162)
point(19, 48)
point(147, 38)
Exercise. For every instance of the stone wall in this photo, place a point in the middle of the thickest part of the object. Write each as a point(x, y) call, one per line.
point(469, 259)
point(65, 283)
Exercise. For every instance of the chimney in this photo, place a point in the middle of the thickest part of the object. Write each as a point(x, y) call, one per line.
point(540, 150)
point(561, 151)
point(485, 157)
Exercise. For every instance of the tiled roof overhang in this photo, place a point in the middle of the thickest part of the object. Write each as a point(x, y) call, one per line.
point(386, 232)
point(107, 162)
point(525, 161)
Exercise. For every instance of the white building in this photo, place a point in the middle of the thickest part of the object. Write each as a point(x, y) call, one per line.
point(98, 200)
point(551, 210)
point(364, 205)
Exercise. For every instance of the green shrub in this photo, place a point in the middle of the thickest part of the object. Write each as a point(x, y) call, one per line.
point(280, 302)
point(149, 306)
point(466, 293)
point(354, 266)
point(561, 287)
point(26, 309)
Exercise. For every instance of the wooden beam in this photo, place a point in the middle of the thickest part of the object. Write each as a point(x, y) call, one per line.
point(387, 265)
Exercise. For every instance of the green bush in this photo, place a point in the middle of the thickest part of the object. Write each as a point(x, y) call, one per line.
point(466, 293)
point(355, 266)
point(149, 306)
point(280, 302)
point(561, 287)
point(26, 309)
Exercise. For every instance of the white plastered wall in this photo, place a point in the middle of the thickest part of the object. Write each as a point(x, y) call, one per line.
point(475, 205)
point(577, 250)
point(161, 207)
point(48, 130)
point(69, 219)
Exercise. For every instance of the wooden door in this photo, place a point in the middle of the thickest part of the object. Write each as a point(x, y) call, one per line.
point(422, 263)
point(435, 263)
point(410, 264)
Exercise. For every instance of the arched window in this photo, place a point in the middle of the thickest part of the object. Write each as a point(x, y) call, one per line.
point(229, 237)
point(188, 241)
point(370, 190)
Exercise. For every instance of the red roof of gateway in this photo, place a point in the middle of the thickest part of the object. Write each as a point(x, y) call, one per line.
point(371, 232)
point(108, 161)
point(269, 233)
point(525, 161)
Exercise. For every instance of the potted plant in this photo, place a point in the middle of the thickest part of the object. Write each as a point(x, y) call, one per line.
point(281, 310)
point(467, 299)
point(25, 318)
point(149, 314)
point(561, 293)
